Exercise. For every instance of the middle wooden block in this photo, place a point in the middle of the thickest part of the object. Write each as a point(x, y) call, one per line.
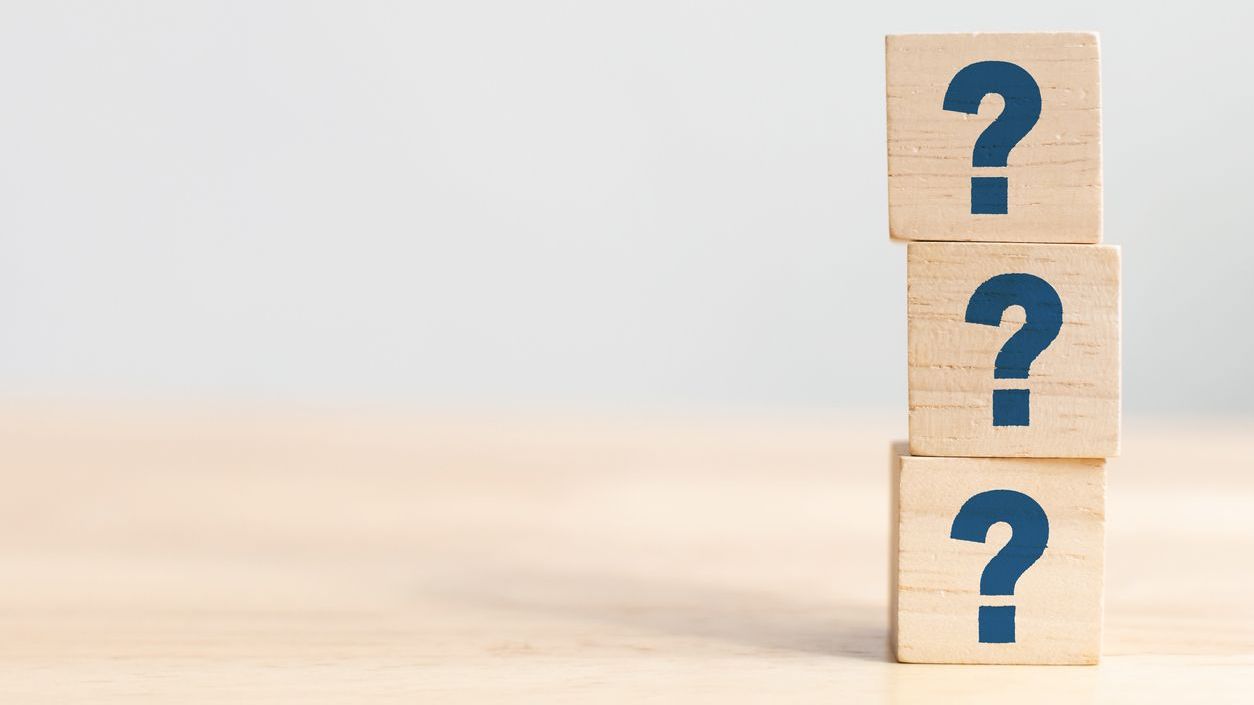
point(1013, 350)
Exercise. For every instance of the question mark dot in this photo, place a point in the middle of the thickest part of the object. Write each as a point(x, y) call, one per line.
point(997, 624)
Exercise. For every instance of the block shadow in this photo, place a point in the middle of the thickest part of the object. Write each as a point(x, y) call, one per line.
point(757, 620)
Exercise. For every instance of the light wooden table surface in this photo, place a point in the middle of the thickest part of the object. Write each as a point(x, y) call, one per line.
point(252, 558)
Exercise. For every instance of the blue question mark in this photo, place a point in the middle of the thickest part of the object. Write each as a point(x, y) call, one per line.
point(1023, 108)
point(1029, 533)
point(1043, 311)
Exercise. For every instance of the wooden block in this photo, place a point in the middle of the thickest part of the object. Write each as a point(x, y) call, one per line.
point(1045, 390)
point(953, 175)
point(1027, 590)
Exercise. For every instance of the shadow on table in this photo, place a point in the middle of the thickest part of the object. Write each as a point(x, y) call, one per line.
point(759, 620)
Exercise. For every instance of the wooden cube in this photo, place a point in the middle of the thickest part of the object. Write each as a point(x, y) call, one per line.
point(1013, 350)
point(999, 560)
point(994, 137)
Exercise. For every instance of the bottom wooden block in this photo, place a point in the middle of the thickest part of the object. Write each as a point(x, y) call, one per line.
point(999, 560)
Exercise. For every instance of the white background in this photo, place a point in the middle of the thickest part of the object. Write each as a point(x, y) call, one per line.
point(532, 204)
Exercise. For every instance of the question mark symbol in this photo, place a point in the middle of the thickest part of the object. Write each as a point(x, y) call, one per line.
point(1043, 320)
point(1023, 108)
point(1029, 532)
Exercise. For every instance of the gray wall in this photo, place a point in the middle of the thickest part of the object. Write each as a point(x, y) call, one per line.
point(629, 204)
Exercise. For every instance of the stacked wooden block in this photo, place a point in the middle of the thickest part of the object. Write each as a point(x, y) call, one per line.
point(994, 179)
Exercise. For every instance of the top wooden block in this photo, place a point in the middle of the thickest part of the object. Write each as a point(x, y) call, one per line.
point(958, 174)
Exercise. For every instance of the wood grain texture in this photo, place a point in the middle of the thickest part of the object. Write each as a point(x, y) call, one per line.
point(1073, 383)
point(241, 556)
point(1057, 600)
point(1054, 172)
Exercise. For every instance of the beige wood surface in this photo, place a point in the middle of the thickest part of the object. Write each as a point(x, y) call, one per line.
point(1057, 600)
point(1073, 383)
point(265, 558)
point(1054, 172)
